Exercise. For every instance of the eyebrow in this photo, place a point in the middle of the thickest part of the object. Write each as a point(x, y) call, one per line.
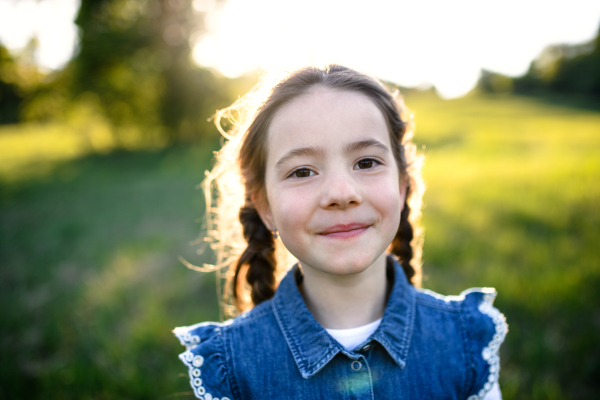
point(317, 151)
point(303, 151)
point(365, 144)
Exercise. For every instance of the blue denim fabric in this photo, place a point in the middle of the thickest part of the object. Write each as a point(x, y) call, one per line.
point(427, 347)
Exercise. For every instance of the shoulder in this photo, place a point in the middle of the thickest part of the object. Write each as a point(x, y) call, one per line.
point(206, 355)
point(484, 329)
point(467, 298)
point(253, 316)
point(206, 359)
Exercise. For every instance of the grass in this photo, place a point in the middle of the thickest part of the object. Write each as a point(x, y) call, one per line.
point(513, 202)
point(90, 284)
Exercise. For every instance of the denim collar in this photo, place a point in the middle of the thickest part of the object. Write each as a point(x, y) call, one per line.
point(312, 347)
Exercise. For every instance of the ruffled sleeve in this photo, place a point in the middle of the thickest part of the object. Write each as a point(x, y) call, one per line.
point(486, 329)
point(206, 361)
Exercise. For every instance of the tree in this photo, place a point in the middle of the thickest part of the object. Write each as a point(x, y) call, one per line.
point(573, 69)
point(135, 56)
point(19, 80)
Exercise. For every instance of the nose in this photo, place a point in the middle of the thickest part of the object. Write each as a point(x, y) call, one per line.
point(340, 191)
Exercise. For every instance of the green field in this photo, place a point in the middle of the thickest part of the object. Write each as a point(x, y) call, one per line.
point(90, 282)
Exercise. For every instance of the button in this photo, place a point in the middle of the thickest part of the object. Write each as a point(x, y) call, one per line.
point(356, 365)
point(367, 347)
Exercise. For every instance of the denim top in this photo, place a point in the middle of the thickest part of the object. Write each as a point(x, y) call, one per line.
point(427, 347)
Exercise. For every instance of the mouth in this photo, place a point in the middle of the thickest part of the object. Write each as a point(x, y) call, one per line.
point(342, 231)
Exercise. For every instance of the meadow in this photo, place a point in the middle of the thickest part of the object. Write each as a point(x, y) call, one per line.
point(91, 285)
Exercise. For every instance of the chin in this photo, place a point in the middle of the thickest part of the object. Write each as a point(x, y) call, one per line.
point(349, 265)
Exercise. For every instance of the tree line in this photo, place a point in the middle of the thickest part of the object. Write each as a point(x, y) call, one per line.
point(561, 69)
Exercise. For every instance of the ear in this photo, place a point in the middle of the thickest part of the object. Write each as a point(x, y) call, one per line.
point(264, 209)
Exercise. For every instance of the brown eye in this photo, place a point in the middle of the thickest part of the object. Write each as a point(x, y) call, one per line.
point(301, 173)
point(366, 163)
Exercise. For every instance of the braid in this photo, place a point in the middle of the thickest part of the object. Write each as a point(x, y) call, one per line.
point(406, 245)
point(401, 243)
point(257, 262)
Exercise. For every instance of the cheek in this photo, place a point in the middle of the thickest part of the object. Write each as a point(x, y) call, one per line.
point(392, 206)
point(292, 217)
point(389, 202)
point(291, 211)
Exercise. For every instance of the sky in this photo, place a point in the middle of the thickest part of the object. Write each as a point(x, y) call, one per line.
point(412, 43)
point(51, 21)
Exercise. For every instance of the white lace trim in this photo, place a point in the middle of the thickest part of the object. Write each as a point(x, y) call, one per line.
point(447, 299)
point(490, 352)
point(194, 362)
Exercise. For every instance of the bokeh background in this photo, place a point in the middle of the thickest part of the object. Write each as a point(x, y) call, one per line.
point(105, 136)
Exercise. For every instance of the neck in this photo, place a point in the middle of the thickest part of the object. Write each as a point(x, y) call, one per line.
point(342, 302)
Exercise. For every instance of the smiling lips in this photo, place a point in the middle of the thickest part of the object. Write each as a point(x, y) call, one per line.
point(344, 231)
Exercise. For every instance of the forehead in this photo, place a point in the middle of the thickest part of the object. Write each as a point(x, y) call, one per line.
point(328, 118)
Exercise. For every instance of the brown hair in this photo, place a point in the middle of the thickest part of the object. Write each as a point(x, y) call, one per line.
point(254, 266)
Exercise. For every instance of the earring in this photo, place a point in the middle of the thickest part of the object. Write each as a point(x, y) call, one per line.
point(275, 236)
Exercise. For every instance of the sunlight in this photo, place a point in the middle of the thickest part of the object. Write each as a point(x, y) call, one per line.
point(411, 43)
point(408, 42)
point(50, 21)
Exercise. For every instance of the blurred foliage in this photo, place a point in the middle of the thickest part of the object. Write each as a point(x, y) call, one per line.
point(132, 70)
point(135, 55)
point(493, 82)
point(560, 69)
point(90, 284)
point(19, 79)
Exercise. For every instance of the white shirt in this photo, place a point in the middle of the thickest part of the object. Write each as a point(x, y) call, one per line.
point(352, 337)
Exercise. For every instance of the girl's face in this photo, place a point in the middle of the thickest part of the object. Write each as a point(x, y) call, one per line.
point(332, 183)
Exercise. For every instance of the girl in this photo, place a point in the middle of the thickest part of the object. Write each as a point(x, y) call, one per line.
point(320, 163)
